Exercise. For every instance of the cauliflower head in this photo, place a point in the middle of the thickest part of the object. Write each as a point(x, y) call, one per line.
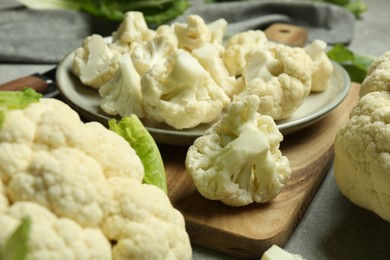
point(122, 94)
point(238, 160)
point(95, 63)
point(238, 46)
point(51, 237)
point(60, 162)
point(141, 215)
point(131, 31)
point(281, 77)
point(182, 93)
point(362, 154)
point(322, 66)
point(378, 76)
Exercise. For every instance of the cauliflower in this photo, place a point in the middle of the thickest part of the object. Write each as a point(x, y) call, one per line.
point(122, 94)
point(3, 199)
point(277, 253)
point(322, 66)
point(209, 56)
point(131, 31)
point(238, 46)
point(51, 237)
point(281, 77)
point(195, 33)
point(182, 93)
point(157, 50)
point(141, 215)
point(362, 154)
point(94, 63)
point(378, 76)
point(237, 160)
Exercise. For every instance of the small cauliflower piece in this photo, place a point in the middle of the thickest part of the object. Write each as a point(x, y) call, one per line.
point(95, 63)
point(131, 31)
point(238, 46)
point(157, 50)
point(362, 154)
point(144, 224)
point(281, 77)
point(277, 253)
point(182, 93)
point(209, 56)
point(3, 198)
point(322, 66)
point(51, 237)
point(378, 76)
point(237, 160)
point(122, 94)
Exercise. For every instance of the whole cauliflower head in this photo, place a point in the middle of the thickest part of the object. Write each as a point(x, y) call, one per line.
point(141, 215)
point(131, 31)
point(238, 46)
point(95, 63)
point(322, 66)
point(51, 237)
point(378, 76)
point(238, 160)
point(281, 77)
point(182, 93)
point(60, 162)
point(362, 154)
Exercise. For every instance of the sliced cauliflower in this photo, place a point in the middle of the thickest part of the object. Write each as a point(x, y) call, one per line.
point(182, 93)
point(210, 57)
point(94, 63)
point(51, 237)
point(362, 154)
point(142, 217)
point(237, 160)
point(378, 76)
point(322, 66)
point(132, 30)
point(122, 95)
point(238, 46)
point(281, 77)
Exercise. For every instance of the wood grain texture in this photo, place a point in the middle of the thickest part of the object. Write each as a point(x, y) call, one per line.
point(249, 231)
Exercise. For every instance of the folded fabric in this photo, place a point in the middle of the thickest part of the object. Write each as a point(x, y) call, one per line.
point(46, 36)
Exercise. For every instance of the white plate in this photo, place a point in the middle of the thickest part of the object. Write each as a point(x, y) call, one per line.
point(86, 101)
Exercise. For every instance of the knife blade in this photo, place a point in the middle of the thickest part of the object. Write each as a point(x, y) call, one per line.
point(43, 83)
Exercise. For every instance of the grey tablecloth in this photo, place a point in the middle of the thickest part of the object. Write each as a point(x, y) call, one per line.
point(45, 36)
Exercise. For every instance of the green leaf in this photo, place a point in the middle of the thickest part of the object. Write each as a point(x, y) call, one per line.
point(356, 65)
point(16, 247)
point(16, 100)
point(134, 132)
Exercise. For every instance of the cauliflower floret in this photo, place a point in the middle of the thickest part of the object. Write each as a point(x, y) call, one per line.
point(322, 66)
point(54, 238)
point(3, 198)
point(238, 160)
point(195, 33)
point(43, 154)
point(378, 76)
point(157, 50)
point(239, 46)
point(131, 31)
point(94, 63)
point(143, 223)
point(122, 94)
point(209, 56)
point(281, 77)
point(182, 93)
point(362, 154)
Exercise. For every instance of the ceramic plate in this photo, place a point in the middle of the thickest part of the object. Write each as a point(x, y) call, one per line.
point(86, 101)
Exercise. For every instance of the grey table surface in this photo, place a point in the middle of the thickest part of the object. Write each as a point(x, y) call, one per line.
point(332, 227)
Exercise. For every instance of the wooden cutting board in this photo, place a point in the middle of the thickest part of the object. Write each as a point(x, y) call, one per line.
point(249, 231)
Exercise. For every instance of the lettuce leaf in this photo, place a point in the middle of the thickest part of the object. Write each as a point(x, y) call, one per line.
point(134, 132)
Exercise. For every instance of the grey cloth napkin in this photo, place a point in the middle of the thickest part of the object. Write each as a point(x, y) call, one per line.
point(46, 36)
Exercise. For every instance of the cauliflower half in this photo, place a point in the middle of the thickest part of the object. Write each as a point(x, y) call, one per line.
point(362, 154)
point(81, 186)
point(237, 160)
